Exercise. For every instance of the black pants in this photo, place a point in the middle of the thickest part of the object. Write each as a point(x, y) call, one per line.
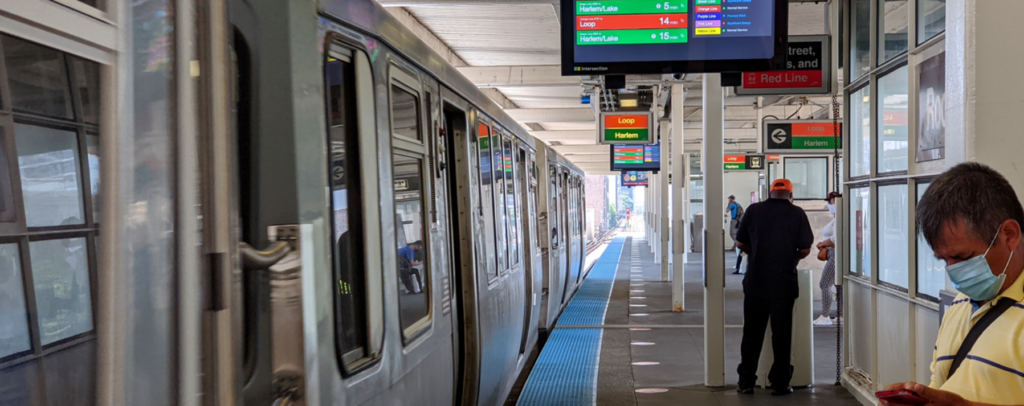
point(739, 259)
point(756, 314)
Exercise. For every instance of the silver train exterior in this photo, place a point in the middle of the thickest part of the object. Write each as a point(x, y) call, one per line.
point(501, 219)
point(414, 243)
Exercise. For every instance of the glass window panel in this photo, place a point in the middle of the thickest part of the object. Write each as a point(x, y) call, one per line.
point(510, 203)
point(893, 147)
point(87, 88)
point(931, 271)
point(405, 113)
point(14, 332)
point(860, 38)
point(486, 188)
point(860, 132)
point(60, 272)
point(348, 266)
point(48, 159)
point(893, 21)
point(860, 223)
point(893, 235)
point(809, 177)
point(411, 266)
point(92, 143)
point(37, 79)
point(500, 217)
point(931, 19)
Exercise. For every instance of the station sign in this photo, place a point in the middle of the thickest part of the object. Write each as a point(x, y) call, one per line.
point(807, 70)
point(744, 162)
point(626, 127)
point(634, 178)
point(800, 136)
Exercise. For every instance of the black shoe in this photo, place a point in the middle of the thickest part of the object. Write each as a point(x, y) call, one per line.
point(736, 272)
point(745, 391)
point(782, 391)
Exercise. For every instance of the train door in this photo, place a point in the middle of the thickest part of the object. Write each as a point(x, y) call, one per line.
point(527, 241)
point(415, 254)
point(468, 253)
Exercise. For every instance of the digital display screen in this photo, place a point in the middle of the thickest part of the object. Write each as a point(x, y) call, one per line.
point(636, 157)
point(634, 178)
point(674, 36)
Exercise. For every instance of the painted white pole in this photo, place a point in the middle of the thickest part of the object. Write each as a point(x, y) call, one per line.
point(680, 163)
point(714, 240)
point(666, 188)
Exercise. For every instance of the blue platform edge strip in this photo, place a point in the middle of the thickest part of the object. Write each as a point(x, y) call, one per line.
point(566, 370)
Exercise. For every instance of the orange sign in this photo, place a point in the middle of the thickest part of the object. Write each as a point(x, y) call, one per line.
point(773, 157)
point(813, 129)
point(735, 159)
point(626, 121)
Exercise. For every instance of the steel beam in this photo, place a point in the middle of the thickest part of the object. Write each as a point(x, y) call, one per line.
point(680, 165)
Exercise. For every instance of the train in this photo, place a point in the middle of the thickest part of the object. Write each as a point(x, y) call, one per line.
point(454, 238)
point(259, 202)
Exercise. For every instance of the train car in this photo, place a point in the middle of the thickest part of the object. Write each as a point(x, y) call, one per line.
point(413, 243)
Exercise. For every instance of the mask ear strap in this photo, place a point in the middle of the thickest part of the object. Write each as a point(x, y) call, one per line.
point(993, 243)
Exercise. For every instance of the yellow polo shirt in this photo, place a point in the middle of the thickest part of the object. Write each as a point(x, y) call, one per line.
point(993, 371)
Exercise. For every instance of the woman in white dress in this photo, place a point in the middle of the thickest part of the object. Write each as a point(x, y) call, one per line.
point(827, 252)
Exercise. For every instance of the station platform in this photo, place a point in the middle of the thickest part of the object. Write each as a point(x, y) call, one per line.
point(619, 343)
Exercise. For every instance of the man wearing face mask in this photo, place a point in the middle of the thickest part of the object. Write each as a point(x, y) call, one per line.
point(972, 219)
point(776, 235)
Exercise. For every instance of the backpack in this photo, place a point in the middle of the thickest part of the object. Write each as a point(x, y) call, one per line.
point(739, 212)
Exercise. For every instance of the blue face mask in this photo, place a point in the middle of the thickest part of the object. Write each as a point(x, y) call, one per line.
point(974, 277)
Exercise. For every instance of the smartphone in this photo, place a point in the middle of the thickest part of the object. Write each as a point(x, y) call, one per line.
point(901, 397)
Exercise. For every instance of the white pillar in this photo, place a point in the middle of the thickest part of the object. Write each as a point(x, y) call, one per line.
point(680, 180)
point(666, 169)
point(656, 243)
point(714, 241)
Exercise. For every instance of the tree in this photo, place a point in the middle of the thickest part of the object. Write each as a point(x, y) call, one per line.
point(613, 215)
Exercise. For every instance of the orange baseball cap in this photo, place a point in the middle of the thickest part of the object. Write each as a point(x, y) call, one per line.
point(782, 184)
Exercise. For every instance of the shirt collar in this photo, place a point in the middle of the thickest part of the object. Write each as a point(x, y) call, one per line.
point(1015, 292)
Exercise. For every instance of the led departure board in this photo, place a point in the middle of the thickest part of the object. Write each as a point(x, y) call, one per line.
point(675, 36)
point(636, 158)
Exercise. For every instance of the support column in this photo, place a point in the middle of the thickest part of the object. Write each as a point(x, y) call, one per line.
point(714, 237)
point(656, 242)
point(666, 188)
point(680, 163)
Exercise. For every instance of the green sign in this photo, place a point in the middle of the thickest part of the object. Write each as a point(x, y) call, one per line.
point(814, 143)
point(629, 135)
point(735, 167)
point(655, 36)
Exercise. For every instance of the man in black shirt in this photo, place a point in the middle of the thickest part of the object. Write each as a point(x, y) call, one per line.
point(776, 235)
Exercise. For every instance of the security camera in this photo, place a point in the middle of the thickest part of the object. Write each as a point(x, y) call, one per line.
point(678, 76)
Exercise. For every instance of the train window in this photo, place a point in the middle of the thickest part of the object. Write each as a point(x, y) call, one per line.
point(412, 265)
point(500, 217)
point(510, 203)
point(49, 155)
point(350, 304)
point(405, 113)
point(553, 207)
point(486, 186)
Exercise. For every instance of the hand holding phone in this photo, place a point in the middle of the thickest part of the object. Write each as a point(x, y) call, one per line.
point(901, 397)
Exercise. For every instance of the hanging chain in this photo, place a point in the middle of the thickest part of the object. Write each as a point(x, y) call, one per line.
point(839, 288)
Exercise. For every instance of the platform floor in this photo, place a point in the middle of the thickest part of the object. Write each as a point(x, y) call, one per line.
point(642, 345)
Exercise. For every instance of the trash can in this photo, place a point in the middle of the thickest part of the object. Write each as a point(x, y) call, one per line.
point(802, 352)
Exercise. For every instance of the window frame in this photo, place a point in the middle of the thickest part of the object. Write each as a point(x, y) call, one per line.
point(18, 232)
point(879, 119)
point(877, 231)
point(405, 146)
point(917, 184)
point(918, 38)
point(486, 215)
point(364, 141)
point(785, 172)
point(879, 42)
